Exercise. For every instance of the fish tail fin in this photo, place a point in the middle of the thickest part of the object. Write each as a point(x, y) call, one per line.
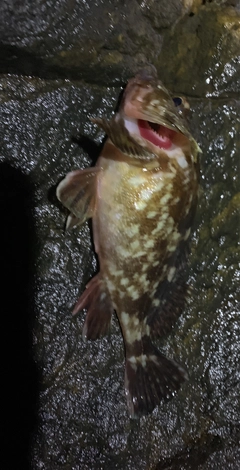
point(149, 377)
point(97, 301)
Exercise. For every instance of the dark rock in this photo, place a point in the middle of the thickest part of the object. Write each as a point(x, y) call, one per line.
point(202, 53)
point(75, 402)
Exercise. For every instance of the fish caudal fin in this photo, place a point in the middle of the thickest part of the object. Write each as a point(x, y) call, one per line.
point(99, 309)
point(77, 192)
point(149, 378)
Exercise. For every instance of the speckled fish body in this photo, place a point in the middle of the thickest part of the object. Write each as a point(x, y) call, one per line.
point(142, 197)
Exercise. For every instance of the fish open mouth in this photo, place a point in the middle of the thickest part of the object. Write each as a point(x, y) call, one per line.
point(157, 134)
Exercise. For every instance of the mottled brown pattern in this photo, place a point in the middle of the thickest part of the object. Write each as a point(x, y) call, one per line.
point(145, 270)
point(143, 202)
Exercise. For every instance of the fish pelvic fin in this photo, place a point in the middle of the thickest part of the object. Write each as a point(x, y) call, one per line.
point(149, 378)
point(97, 301)
point(77, 192)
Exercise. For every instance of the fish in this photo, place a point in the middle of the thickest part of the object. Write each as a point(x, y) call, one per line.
point(141, 196)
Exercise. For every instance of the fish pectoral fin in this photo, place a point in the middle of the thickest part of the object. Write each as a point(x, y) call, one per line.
point(149, 378)
point(77, 192)
point(96, 299)
point(72, 221)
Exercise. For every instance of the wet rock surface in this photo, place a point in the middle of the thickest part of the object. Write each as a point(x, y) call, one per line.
point(62, 63)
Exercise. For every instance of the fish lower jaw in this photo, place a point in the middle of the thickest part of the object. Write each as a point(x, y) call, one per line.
point(141, 130)
point(172, 150)
point(158, 135)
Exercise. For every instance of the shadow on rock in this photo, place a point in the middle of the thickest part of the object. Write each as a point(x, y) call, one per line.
point(18, 61)
point(193, 456)
point(20, 384)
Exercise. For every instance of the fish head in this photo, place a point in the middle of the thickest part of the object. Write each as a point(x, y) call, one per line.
point(145, 96)
point(153, 117)
point(150, 122)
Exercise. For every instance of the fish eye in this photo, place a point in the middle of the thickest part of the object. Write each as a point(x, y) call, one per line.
point(177, 101)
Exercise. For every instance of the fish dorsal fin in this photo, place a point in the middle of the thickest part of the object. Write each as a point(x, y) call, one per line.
point(77, 192)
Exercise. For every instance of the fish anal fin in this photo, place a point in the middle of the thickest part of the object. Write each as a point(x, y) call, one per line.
point(149, 378)
point(97, 301)
point(77, 192)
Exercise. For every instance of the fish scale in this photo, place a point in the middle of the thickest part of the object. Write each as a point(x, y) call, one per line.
point(142, 196)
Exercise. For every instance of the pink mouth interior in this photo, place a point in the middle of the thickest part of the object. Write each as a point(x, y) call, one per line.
point(157, 134)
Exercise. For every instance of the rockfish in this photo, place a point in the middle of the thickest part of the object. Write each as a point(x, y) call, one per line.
point(141, 196)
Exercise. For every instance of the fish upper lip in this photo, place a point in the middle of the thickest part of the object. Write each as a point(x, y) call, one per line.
point(148, 73)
